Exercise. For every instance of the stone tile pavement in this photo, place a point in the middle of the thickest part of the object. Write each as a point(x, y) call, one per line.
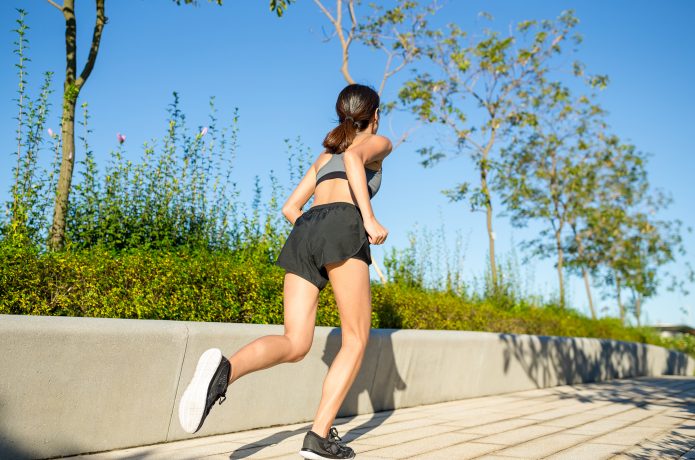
point(639, 418)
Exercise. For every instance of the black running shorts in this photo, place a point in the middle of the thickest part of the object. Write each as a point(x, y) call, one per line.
point(324, 234)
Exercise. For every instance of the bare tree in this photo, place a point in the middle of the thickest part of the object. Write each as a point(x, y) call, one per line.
point(397, 32)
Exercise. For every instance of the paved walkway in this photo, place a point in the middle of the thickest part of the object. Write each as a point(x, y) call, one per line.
point(641, 418)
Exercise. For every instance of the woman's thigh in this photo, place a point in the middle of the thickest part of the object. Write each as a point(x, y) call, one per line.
point(350, 281)
point(300, 298)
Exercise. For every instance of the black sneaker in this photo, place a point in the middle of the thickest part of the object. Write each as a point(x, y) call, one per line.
point(315, 447)
point(209, 384)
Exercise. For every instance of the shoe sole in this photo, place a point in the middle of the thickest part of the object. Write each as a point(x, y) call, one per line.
point(314, 456)
point(194, 399)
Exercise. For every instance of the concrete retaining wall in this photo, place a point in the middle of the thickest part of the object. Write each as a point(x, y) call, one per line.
point(77, 385)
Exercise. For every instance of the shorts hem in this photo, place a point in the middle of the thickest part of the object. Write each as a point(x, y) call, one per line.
point(303, 276)
point(355, 255)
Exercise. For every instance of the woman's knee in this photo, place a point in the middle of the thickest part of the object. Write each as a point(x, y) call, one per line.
point(298, 349)
point(356, 343)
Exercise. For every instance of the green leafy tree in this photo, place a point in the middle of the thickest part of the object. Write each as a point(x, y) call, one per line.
point(476, 94)
point(648, 244)
point(547, 169)
point(620, 230)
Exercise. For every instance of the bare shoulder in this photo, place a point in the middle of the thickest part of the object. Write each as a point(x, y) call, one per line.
point(379, 142)
point(372, 147)
point(321, 160)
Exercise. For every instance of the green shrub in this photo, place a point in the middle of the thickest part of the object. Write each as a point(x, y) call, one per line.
point(244, 286)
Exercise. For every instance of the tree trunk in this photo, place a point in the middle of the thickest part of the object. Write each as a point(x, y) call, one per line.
point(560, 263)
point(559, 216)
point(491, 239)
point(585, 272)
point(71, 91)
point(65, 178)
point(488, 207)
point(587, 286)
point(620, 302)
point(638, 309)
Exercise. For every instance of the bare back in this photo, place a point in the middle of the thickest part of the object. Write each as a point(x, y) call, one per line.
point(332, 190)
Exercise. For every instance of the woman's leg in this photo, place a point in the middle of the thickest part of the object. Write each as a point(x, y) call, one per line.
point(300, 299)
point(350, 282)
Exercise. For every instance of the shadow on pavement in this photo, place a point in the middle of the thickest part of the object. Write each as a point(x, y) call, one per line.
point(551, 361)
point(382, 399)
point(644, 392)
point(673, 445)
point(256, 446)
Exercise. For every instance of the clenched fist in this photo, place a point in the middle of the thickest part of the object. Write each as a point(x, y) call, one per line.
point(377, 233)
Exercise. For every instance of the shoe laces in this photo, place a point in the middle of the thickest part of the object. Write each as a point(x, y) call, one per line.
point(333, 434)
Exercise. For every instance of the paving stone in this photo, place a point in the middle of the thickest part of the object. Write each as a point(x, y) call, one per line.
point(420, 446)
point(621, 419)
point(598, 427)
point(633, 415)
point(649, 449)
point(496, 457)
point(671, 444)
point(662, 420)
point(388, 428)
point(405, 436)
point(588, 451)
point(497, 427)
point(464, 451)
point(519, 435)
point(628, 436)
point(573, 420)
point(526, 406)
point(543, 446)
point(531, 409)
point(549, 415)
point(473, 420)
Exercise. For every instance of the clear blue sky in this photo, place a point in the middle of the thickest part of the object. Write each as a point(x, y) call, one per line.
point(284, 79)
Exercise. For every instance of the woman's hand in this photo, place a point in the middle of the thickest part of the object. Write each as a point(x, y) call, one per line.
point(377, 233)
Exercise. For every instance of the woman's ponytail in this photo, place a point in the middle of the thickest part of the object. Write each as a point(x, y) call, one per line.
point(340, 138)
point(355, 107)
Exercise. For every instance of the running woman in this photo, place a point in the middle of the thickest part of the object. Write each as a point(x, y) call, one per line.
point(328, 242)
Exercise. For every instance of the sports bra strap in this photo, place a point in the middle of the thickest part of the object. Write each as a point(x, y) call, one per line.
point(335, 169)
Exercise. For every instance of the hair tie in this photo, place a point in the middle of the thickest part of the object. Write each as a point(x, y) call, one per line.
point(354, 123)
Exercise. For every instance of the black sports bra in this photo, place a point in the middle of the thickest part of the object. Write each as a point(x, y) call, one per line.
point(335, 169)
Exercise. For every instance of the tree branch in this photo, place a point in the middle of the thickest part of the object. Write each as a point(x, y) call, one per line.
point(405, 134)
point(386, 69)
point(94, 49)
point(353, 20)
point(345, 44)
point(60, 8)
point(325, 11)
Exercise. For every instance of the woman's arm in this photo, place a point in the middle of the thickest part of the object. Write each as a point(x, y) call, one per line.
point(292, 208)
point(373, 149)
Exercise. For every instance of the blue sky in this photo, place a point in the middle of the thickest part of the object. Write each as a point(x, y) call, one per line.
point(284, 77)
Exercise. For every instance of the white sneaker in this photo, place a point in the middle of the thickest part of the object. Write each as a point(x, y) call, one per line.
point(209, 383)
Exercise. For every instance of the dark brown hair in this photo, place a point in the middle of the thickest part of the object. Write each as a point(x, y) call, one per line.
point(355, 108)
